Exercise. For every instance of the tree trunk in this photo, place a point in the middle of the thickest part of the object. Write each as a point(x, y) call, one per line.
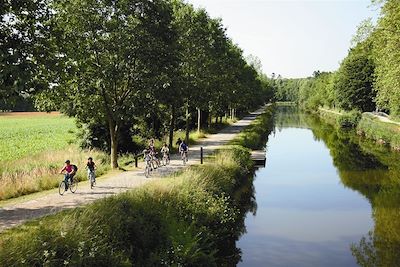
point(114, 142)
point(187, 125)
point(198, 120)
point(171, 127)
point(209, 119)
point(216, 119)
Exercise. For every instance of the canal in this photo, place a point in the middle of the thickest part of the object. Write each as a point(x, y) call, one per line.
point(326, 197)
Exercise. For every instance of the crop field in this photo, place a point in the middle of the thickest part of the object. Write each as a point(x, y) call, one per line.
point(30, 134)
point(33, 148)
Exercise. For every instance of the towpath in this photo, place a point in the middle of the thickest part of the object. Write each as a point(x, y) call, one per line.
point(22, 209)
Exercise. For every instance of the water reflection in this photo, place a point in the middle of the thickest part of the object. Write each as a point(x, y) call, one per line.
point(305, 217)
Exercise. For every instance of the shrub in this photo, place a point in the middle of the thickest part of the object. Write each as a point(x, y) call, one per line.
point(349, 120)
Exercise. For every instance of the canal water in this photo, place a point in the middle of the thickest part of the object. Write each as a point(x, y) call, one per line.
point(325, 198)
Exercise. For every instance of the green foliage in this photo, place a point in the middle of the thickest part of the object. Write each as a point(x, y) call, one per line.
point(255, 135)
point(386, 54)
point(382, 132)
point(349, 119)
point(354, 79)
point(24, 46)
point(182, 221)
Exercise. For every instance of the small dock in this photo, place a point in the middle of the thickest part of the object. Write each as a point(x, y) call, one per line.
point(259, 157)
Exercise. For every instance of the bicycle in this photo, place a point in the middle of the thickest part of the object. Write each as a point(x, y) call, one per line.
point(155, 162)
point(63, 187)
point(148, 168)
point(184, 157)
point(165, 159)
point(92, 178)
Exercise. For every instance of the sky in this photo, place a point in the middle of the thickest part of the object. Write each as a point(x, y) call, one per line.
point(292, 38)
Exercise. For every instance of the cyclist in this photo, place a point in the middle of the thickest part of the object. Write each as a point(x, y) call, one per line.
point(178, 143)
point(165, 151)
point(69, 171)
point(153, 154)
point(147, 158)
point(183, 149)
point(91, 167)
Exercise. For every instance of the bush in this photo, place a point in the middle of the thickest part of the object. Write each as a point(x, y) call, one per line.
point(182, 221)
point(349, 120)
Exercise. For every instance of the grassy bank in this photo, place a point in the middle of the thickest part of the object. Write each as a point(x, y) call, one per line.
point(185, 220)
point(255, 136)
point(366, 125)
point(381, 132)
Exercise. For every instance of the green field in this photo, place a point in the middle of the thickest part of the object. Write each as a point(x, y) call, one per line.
point(34, 147)
point(27, 135)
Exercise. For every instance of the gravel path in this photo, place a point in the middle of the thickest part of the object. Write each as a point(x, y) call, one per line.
point(51, 202)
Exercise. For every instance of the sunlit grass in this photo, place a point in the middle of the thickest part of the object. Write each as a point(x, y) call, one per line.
point(175, 221)
point(41, 172)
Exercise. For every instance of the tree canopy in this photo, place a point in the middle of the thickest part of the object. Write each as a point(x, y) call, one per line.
point(124, 68)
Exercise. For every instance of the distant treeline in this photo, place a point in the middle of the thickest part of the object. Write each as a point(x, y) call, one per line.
point(367, 79)
point(125, 68)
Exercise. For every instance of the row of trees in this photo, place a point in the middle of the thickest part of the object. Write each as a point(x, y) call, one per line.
point(368, 78)
point(125, 67)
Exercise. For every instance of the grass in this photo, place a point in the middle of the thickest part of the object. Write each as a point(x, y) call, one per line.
point(41, 172)
point(255, 135)
point(185, 220)
point(22, 136)
point(368, 126)
point(33, 149)
point(382, 132)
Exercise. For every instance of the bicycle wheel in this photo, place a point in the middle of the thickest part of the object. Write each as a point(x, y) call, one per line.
point(73, 186)
point(147, 171)
point(91, 179)
point(62, 188)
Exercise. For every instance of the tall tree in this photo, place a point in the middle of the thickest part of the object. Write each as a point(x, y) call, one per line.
point(25, 45)
point(114, 55)
point(354, 86)
point(387, 56)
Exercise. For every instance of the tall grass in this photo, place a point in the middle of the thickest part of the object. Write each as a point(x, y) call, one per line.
point(40, 172)
point(255, 135)
point(382, 132)
point(185, 220)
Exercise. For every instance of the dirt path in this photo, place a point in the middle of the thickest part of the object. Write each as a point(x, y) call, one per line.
point(51, 202)
point(382, 118)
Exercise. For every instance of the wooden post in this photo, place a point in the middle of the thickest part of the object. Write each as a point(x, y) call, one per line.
point(201, 155)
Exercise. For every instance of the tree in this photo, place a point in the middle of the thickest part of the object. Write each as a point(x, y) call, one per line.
point(24, 47)
point(354, 86)
point(114, 55)
point(387, 55)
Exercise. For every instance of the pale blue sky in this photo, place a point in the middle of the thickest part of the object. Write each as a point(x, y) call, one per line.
point(292, 38)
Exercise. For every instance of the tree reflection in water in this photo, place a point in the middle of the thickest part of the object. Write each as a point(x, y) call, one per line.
point(369, 168)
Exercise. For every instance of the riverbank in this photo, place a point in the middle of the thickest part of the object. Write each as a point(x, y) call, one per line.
point(184, 220)
point(384, 132)
point(16, 211)
point(192, 217)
